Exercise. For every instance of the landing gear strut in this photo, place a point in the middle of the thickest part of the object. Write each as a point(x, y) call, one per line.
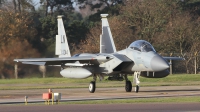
point(137, 81)
point(92, 85)
point(128, 85)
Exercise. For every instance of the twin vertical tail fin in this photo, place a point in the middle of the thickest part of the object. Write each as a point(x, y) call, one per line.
point(62, 47)
point(107, 44)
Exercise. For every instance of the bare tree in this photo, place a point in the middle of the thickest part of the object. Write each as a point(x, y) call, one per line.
point(20, 5)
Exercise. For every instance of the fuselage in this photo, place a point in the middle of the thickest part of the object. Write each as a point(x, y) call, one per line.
point(140, 56)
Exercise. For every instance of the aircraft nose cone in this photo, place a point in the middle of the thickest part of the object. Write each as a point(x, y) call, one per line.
point(158, 64)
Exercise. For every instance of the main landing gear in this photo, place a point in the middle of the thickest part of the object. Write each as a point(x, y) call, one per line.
point(92, 85)
point(128, 84)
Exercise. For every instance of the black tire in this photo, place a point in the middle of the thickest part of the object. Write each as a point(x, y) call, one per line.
point(92, 87)
point(137, 87)
point(128, 86)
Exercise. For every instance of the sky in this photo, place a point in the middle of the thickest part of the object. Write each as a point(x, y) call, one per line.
point(37, 3)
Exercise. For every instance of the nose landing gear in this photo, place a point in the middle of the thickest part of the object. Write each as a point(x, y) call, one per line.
point(137, 81)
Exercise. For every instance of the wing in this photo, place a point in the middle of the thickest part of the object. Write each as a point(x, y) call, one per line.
point(96, 60)
point(173, 58)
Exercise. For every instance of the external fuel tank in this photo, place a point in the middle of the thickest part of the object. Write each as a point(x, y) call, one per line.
point(75, 73)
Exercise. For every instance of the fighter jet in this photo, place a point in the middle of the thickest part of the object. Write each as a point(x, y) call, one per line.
point(139, 59)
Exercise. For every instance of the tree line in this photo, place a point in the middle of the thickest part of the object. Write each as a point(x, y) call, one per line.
point(171, 26)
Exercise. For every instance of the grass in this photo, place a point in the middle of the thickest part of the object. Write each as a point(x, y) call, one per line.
point(43, 83)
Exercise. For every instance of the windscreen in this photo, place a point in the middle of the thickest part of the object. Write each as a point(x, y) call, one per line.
point(142, 45)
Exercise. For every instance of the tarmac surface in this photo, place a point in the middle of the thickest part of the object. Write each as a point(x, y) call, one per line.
point(155, 107)
point(78, 94)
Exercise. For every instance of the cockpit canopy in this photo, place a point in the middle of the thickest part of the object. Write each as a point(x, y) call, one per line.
point(142, 45)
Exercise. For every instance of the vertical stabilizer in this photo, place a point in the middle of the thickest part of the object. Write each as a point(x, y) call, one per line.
point(62, 47)
point(107, 44)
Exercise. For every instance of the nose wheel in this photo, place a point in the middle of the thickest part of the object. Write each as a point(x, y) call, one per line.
point(137, 88)
point(137, 81)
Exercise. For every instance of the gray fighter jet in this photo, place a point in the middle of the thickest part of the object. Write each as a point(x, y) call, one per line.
point(140, 59)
